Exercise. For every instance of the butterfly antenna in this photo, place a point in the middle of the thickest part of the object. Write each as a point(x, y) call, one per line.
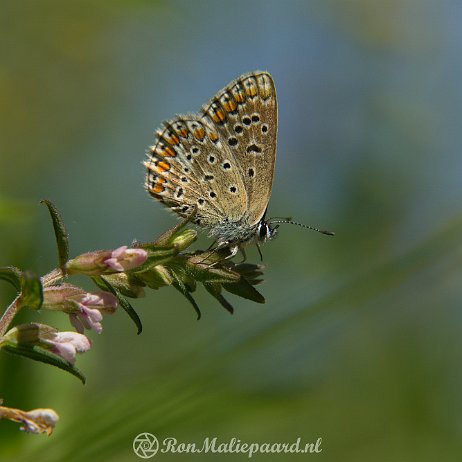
point(290, 222)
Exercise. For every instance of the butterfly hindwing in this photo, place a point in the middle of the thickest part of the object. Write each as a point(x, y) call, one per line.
point(188, 168)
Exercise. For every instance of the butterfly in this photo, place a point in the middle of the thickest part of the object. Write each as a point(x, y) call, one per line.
point(218, 165)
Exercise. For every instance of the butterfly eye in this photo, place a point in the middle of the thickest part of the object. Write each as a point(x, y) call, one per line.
point(263, 231)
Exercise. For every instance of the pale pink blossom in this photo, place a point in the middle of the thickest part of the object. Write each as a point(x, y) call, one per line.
point(90, 307)
point(67, 344)
point(84, 308)
point(123, 258)
point(106, 261)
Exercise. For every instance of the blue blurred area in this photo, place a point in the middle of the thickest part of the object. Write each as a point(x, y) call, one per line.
point(359, 341)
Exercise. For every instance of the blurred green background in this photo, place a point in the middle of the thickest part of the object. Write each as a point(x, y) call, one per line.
point(360, 339)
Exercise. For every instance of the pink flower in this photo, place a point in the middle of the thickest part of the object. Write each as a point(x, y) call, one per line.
point(84, 308)
point(106, 261)
point(67, 344)
point(44, 337)
point(90, 308)
point(123, 258)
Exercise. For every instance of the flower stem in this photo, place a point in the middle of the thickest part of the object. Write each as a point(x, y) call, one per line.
point(9, 314)
point(53, 277)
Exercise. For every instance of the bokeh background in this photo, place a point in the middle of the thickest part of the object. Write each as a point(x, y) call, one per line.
point(360, 341)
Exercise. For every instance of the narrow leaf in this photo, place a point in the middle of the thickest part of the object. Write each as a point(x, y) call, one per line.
point(215, 291)
point(244, 289)
point(12, 275)
point(122, 301)
point(180, 286)
point(62, 238)
point(43, 355)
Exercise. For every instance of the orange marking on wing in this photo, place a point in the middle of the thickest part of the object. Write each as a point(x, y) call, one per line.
point(217, 115)
point(251, 89)
point(199, 133)
point(158, 187)
point(183, 131)
point(169, 152)
point(229, 105)
point(172, 138)
point(163, 167)
point(213, 136)
point(238, 94)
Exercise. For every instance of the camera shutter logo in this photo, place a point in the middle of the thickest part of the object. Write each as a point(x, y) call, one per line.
point(145, 445)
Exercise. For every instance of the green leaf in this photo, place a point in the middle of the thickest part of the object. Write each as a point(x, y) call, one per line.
point(244, 289)
point(156, 277)
point(156, 256)
point(122, 301)
point(43, 355)
point(181, 287)
point(62, 238)
point(251, 272)
point(215, 290)
point(12, 275)
point(31, 291)
point(128, 284)
point(220, 275)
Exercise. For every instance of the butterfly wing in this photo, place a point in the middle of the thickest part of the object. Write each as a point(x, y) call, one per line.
point(189, 166)
point(244, 114)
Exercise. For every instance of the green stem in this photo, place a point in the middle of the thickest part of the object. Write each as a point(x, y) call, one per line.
point(52, 278)
point(9, 314)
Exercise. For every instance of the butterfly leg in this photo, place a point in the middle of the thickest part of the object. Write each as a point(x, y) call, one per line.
point(212, 245)
point(259, 251)
point(233, 250)
point(213, 248)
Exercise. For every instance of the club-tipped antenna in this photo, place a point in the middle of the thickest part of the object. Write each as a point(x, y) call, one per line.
point(290, 222)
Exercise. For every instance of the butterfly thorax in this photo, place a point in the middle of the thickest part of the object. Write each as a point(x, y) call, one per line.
point(242, 233)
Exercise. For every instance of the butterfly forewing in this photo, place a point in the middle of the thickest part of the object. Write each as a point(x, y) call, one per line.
point(245, 115)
